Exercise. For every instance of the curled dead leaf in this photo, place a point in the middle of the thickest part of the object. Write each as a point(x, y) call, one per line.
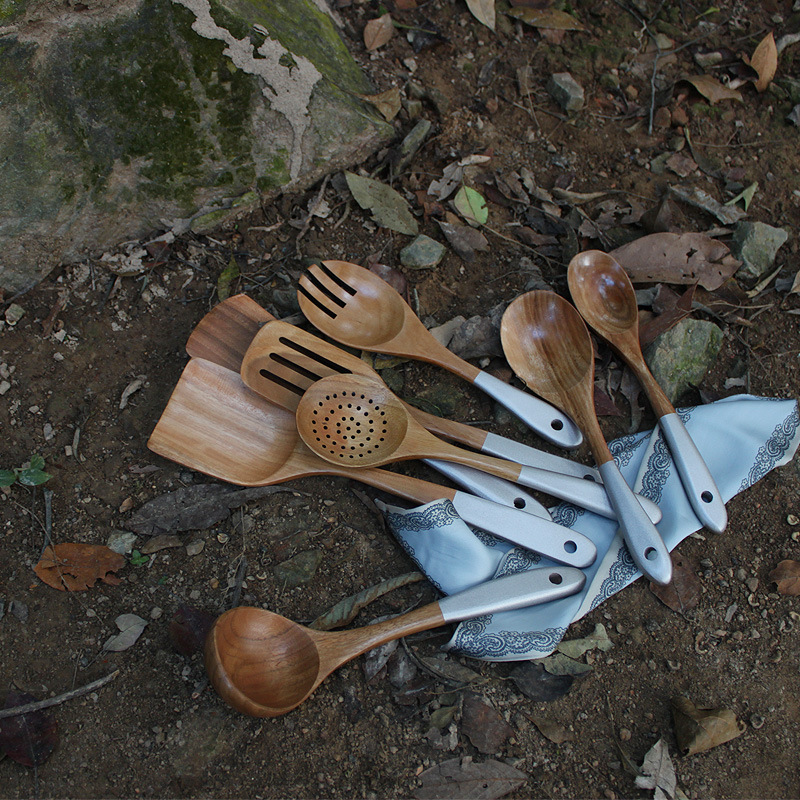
point(547, 18)
point(787, 576)
point(714, 91)
point(388, 103)
point(683, 591)
point(765, 61)
point(377, 32)
point(74, 567)
point(700, 729)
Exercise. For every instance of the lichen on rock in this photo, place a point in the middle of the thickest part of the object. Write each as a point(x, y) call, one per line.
point(143, 112)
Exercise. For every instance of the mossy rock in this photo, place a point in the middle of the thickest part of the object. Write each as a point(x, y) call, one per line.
point(137, 115)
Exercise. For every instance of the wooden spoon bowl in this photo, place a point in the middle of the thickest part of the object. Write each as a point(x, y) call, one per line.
point(548, 345)
point(605, 297)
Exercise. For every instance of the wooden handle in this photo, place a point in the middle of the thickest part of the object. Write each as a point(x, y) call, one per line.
point(337, 647)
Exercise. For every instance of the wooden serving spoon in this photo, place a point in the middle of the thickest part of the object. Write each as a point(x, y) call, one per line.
point(548, 345)
point(357, 421)
point(214, 424)
point(265, 665)
point(359, 309)
point(604, 295)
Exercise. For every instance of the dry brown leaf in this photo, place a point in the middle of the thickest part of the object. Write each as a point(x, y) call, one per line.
point(377, 32)
point(388, 103)
point(713, 90)
point(462, 777)
point(765, 61)
point(552, 730)
point(787, 576)
point(677, 258)
point(683, 591)
point(668, 318)
point(483, 11)
point(74, 567)
point(700, 729)
point(484, 725)
point(547, 18)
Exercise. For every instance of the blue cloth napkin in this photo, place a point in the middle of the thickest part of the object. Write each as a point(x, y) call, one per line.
point(741, 439)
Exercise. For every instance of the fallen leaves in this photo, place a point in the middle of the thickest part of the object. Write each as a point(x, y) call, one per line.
point(677, 258)
point(30, 738)
point(75, 567)
point(377, 32)
point(765, 61)
point(713, 90)
point(471, 205)
point(189, 628)
point(550, 18)
point(130, 627)
point(483, 11)
point(658, 771)
point(389, 209)
point(462, 777)
point(682, 593)
point(483, 725)
point(195, 507)
point(700, 729)
point(537, 684)
point(787, 576)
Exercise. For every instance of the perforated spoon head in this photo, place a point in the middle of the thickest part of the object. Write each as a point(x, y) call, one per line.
point(354, 420)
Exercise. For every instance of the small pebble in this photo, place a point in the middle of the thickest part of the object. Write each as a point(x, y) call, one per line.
point(155, 612)
point(624, 735)
point(195, 547)
point(752, 584)
point(741, 574)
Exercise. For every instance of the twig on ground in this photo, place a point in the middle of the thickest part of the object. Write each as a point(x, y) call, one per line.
point(58, 699)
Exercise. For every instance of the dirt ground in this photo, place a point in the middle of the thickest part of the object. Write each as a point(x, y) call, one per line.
point(157, 729)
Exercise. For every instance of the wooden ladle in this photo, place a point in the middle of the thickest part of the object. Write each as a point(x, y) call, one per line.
point(604, 295)
point(548, 345)
point(265, 665)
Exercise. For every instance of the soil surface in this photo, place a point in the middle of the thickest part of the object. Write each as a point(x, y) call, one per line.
point(158, 729)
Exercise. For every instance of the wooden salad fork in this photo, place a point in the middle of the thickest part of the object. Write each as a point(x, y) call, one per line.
point(359, 309)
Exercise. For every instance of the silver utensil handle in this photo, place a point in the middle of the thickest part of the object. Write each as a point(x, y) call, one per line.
point(519, 590)
point(579, 492)
point(489, 487)
point(548, 421)
point(699, 485)
point(643, 539)
point(502, 447)
point(539, 535)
